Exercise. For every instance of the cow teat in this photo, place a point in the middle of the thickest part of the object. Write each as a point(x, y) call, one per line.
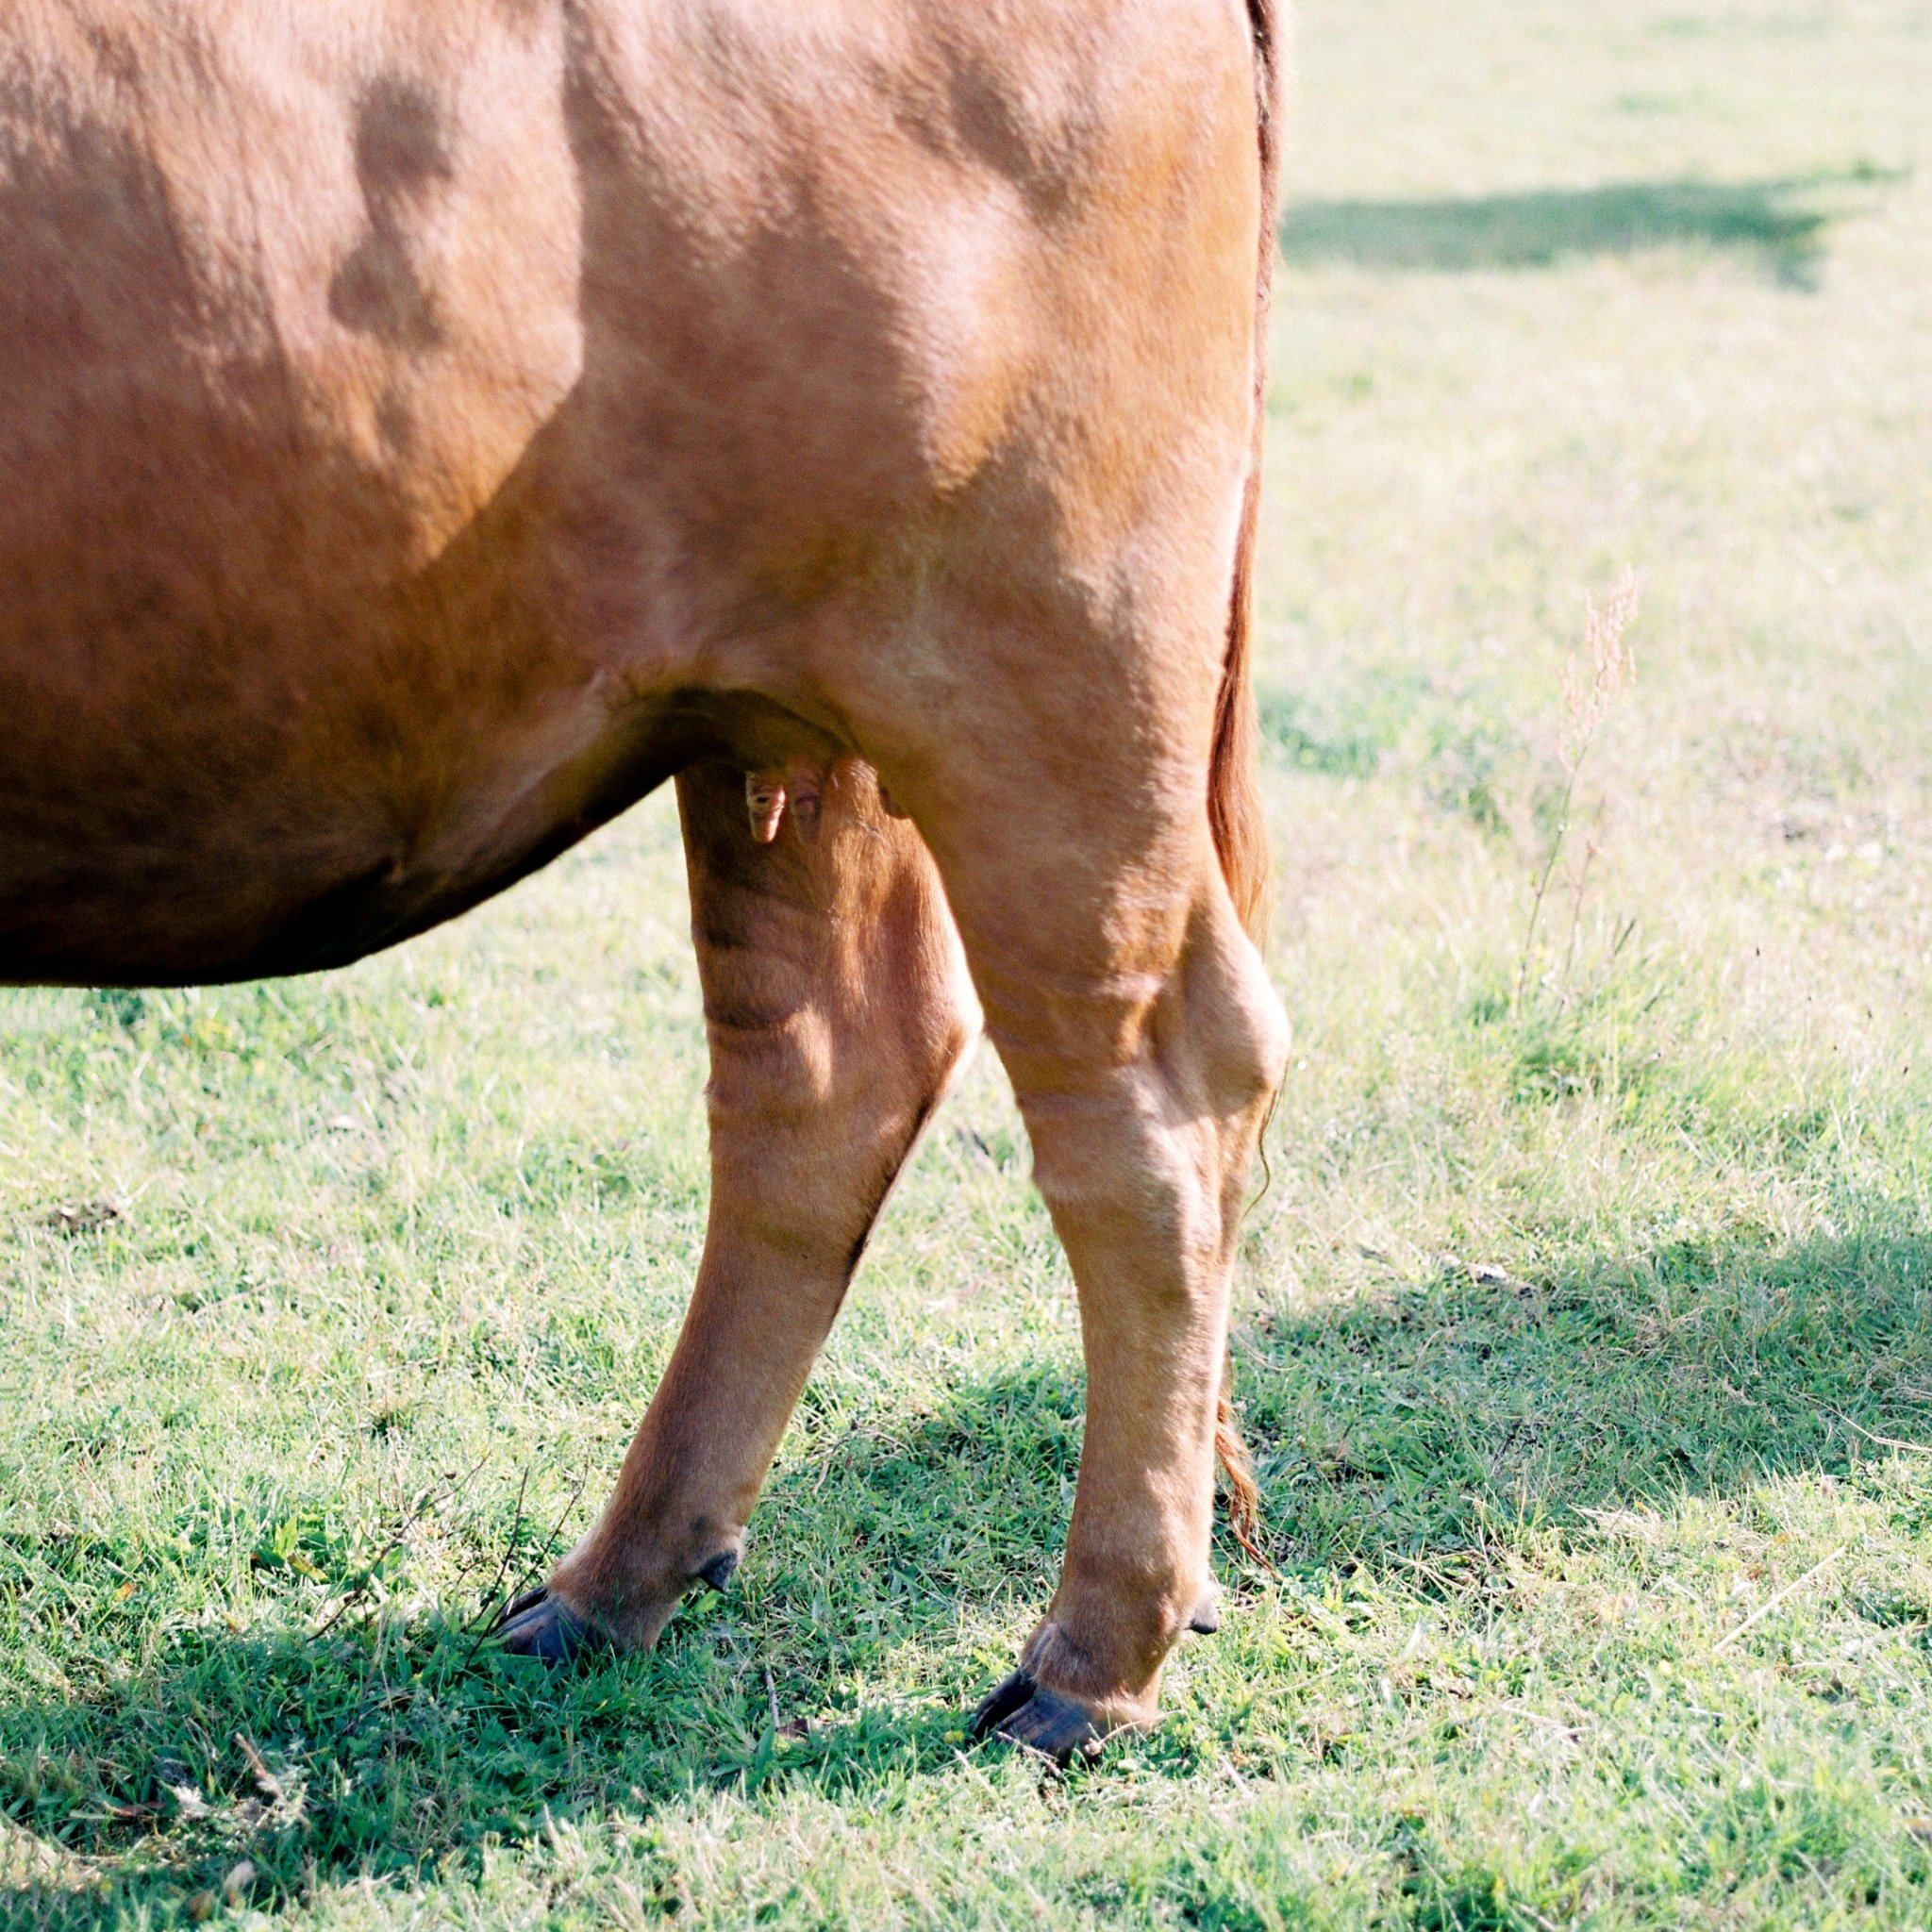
point(805, 785)
point(770, 793)
point(764, 798)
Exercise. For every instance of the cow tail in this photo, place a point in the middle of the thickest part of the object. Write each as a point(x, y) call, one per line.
point(1234, 795)
point(1243, 1498)
point(1234, 799)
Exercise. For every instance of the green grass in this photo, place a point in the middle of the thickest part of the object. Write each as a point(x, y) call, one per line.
point(1582, 1336)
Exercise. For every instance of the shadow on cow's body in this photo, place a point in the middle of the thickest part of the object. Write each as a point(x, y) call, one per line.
point(426, 429)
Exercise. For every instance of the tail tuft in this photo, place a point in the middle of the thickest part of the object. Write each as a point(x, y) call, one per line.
point(1243, 1498)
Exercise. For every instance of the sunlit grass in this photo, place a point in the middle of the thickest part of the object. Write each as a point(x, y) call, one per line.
point(1584, 1333)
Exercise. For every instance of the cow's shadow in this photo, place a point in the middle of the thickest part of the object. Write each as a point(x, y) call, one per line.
point(1780, 226)
point(1391, 1427)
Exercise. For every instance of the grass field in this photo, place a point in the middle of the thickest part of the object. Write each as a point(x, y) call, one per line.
point(1584, 1332)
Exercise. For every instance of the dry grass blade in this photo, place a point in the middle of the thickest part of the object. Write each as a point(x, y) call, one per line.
point(1772, 1601)
point(1592, 676)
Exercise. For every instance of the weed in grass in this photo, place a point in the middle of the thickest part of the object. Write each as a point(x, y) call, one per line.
point(1591, 680)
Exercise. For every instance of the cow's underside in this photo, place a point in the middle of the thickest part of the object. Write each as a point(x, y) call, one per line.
point(415, 420)
point(425, 427)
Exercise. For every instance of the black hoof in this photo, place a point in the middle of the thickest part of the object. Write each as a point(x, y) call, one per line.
point(999, 1704)
point(1028, 1714)
point(537, 1625)
point(719, 1570)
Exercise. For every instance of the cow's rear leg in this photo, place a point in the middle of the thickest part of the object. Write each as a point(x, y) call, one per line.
point(1145, 1044)
point(836, 1008)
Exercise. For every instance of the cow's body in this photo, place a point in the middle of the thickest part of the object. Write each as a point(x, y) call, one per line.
point(426, 426)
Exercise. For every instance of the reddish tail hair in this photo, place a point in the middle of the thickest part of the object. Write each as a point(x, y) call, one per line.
point(1234, 798)
point(1234, 801)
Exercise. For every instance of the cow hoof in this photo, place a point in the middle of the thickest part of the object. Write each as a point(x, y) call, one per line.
point(537, 1624)
point(1028, 1714)
point(719, 1572)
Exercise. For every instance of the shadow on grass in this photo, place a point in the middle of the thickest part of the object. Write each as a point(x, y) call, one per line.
point(1399, 1426)
point(402, 1749)
point(1776, 222)
point(391, 1757)
point(1403, 1424)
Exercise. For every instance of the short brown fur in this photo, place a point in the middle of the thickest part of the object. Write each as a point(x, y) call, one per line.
point(426, 426)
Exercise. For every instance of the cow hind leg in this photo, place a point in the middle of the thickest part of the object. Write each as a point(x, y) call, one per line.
point(836, 1008)
point(1144, 1042)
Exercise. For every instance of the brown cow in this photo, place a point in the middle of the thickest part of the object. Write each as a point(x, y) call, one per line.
point(426, 426)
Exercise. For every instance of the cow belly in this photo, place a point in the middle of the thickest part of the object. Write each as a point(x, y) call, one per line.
point(289, 314)
point(408, 407)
